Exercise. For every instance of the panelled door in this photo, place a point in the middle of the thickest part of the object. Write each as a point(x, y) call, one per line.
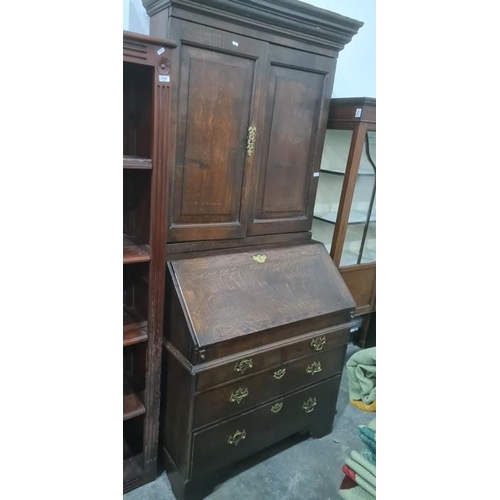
point(299, 87)
point(219, 87)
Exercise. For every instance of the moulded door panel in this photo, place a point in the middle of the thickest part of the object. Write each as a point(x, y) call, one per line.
point(299, 89)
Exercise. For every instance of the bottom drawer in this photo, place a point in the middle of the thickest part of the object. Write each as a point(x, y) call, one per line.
point(239, 437)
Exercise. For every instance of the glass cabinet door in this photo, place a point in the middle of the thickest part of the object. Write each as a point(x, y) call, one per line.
point(331, 179)
point(359, 242)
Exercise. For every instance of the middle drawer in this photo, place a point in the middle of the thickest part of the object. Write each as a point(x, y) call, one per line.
point(245, 393)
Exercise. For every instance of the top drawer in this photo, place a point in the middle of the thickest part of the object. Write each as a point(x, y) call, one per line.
point(258, 360)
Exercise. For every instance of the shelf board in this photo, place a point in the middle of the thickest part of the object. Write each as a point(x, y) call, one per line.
point(355, 217)
point(324, 219)
point(333, 172)
point(132, 404)
point(132, 471)
point(132, 466)
point(134, 251)
point(339, 172)
point(135, 328)
point(137, 163)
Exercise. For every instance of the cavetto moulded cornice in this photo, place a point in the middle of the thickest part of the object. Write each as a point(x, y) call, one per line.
point(314, 25)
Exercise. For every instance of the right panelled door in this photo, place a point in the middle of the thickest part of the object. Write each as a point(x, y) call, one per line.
point(299, 90)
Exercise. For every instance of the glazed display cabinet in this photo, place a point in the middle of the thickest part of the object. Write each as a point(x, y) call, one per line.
point(344, 217)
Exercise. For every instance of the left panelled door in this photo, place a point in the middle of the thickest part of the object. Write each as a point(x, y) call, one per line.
point(218, 94)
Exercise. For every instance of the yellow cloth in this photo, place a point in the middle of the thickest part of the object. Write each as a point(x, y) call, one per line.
point(363, 406)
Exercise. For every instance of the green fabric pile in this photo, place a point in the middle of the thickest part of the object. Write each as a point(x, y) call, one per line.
point(361, 371)
point(360, 468)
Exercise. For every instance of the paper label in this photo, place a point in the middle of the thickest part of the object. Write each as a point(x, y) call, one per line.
point(160, 51)
point(316, 174)
point(164, 78)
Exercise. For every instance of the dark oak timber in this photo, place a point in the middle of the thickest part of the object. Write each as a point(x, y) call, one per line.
point(146, 63)
point(251, 88)
point(257, 317)
point(244, 332)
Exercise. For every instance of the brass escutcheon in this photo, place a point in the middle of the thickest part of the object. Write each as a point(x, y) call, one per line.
point(308, 406)
point(260, 258)
point(252, 133)
point(276, 407)
point(237, 437)
point(314, 367)
point(239, 395)
point(279, 373)
point(317, 343)
point(243, 365)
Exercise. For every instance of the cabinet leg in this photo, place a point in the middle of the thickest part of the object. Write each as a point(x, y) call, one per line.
point(319, 431)
point(187, 489)
point(191, 490)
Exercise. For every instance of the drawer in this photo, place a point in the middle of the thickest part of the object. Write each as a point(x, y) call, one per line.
point(248, 392)
point(254, 362)
point(306, 371)
point(235, 397)
point(238, 368)
point(318, 343)
point(239, 437)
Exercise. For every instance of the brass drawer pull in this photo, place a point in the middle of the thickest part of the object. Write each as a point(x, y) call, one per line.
point(314, 368)
point(239, 395)
point(243, 365)
point(317, 343)
point(237, 437)
point(277, 407)
point(279, 373)
point(308, 406)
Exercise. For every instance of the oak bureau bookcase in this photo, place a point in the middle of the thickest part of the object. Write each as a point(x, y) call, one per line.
point(257, 316)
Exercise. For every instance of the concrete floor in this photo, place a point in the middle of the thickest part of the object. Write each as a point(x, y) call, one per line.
point(296, 469)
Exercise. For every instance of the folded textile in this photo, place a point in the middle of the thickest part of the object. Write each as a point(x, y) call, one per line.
point(362, 477)
point(349, 490)
point(361, 466)
point(368, 435)
point(360, 470)
point(361, 378)
point(363, 406)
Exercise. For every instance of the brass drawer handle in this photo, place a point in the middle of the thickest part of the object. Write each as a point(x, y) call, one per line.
point(317, 343)
point(239, 395)
point(314, 368)
point(277, 407)
point(243, 365)
point(237, 437)
point(279, 373)
point(308, 406)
